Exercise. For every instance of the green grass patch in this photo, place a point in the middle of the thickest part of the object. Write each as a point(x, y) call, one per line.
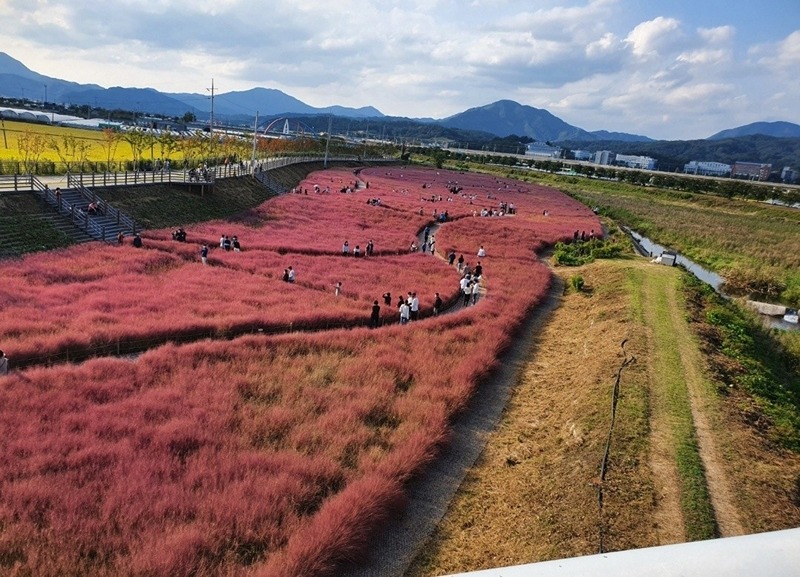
point(743, 353)
point(698, 513)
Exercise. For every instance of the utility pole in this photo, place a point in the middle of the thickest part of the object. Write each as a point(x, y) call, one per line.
point(211, 118)
point(255, 134)
point(328, 141)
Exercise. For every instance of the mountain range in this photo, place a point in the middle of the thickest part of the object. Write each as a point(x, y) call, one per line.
point(498, 119)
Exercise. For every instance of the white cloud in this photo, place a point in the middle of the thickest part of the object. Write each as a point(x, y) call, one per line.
point(649, 39)
point(595, 63)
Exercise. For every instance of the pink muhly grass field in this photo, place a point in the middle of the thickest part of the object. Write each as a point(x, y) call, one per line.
point(260, 455)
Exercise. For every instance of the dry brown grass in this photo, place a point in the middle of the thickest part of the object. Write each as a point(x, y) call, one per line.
point(533, 494)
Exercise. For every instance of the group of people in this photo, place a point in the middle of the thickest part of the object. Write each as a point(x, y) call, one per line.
point(288, 275)
point(179, 234)
point(227, 243)
point(582, 236)
point(369, 249)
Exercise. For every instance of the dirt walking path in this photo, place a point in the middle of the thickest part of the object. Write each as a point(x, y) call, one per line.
point(664, 315)
point(701, 399)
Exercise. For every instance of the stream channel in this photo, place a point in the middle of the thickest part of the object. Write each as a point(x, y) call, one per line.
point(647, 247)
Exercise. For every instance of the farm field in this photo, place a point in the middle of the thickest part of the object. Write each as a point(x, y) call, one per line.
point(97, 150)
point(261, 454)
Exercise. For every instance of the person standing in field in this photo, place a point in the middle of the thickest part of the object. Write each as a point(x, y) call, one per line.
point(405, 312)
point(291, 274)
point(345, 248)
point(414, 307)
point(375, 318)
point(437, 304)
point(3, 363)
point(204, 254)
point(451, 258)
point(463, 284)
point(337, 289)
point(460, 262)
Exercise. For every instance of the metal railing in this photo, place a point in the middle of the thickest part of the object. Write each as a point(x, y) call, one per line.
point(103, 207)
point(16, 182)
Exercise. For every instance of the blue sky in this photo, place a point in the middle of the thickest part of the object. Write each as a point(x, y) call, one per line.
point(674, 69)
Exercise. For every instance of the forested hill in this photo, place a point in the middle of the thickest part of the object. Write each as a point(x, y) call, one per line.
point(672, 155)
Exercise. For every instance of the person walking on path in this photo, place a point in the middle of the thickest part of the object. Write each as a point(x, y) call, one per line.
point(375, 318)
point(204, 254)
point(437, 304)
point(460, 262)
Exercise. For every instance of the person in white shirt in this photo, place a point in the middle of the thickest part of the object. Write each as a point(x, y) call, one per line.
point(405, 313)
point(481, 252)
point(414, 307)
point(3, 363)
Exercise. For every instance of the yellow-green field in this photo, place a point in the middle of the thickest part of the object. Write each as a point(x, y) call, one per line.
point(97, 152)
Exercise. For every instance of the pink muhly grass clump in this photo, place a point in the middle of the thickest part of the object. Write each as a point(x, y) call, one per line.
point(340, 532)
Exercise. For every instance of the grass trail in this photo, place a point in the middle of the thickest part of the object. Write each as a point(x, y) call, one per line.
point(672, 366)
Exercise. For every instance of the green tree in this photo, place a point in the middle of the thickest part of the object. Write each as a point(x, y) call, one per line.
point(32, 145)
point(138, 141)
point(66, 148)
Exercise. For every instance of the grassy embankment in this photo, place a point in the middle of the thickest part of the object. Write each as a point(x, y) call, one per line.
point(533, 494)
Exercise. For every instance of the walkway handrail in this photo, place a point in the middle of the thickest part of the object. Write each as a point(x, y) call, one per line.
point(103, 207)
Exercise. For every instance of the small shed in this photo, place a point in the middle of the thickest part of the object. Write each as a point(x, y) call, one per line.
point(668, 258)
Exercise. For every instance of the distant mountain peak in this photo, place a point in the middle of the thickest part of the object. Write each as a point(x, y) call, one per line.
point(778, 129)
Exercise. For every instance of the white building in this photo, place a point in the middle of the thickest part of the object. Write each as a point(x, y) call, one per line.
point(707, 168)
point(631, 161)
point(604, 157)
point(541, 149)
point(582, 155)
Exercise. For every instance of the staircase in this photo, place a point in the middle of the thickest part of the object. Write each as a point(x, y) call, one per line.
point(73, 203)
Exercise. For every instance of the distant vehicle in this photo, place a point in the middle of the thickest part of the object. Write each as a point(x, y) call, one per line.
point(791, 316)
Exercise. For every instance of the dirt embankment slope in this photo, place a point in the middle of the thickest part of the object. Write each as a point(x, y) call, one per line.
point(532, 496)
